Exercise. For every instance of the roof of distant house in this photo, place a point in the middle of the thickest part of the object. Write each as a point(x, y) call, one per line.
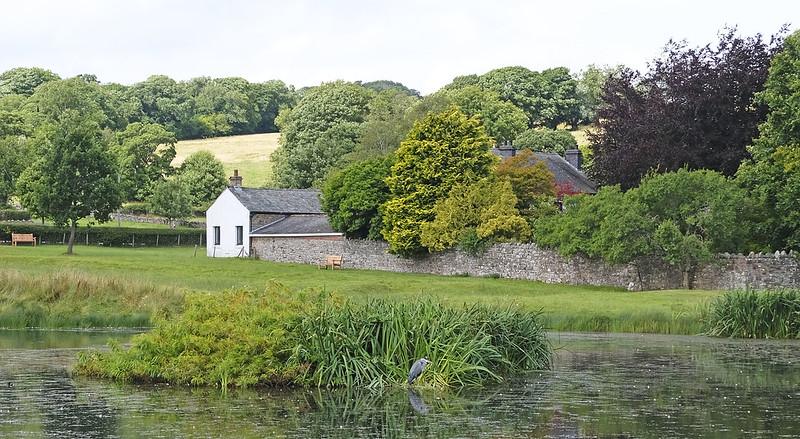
point(296, 224)
point(563, 171)
point(285, 201)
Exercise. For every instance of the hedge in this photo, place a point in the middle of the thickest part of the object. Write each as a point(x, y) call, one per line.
point(14, 215)
point(107, 236)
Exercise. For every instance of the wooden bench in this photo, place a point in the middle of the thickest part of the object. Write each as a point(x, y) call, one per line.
point(332, 261)
point(23, 237)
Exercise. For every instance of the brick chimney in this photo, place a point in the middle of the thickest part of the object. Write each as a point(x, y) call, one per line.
point(236, 179)
point(574, 158)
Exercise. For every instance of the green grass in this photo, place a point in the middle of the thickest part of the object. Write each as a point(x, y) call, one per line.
point(566, 307)
point(247, 153)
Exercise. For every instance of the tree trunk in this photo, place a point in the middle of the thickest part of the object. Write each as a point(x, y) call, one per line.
point(71, 241)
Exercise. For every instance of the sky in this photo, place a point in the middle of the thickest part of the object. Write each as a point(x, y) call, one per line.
point(423, 44)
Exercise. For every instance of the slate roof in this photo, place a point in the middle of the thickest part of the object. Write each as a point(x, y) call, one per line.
point(563, 172)
point(566, 173)
point(296, 224)
point(284, 201)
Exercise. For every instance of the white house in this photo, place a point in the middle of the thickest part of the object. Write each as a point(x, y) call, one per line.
point(240, 214)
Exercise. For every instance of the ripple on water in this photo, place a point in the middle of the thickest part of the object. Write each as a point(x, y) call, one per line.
point(601, 386)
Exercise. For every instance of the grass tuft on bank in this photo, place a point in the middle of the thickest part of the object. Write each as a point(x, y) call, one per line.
point(756, 314)
point(66, 299)
point(278, 337)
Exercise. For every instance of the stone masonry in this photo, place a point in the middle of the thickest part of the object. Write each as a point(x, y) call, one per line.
point(527, 261)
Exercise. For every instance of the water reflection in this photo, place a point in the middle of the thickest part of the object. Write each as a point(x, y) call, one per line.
point(602, 386)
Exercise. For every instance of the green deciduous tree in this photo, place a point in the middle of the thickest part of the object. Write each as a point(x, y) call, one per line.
point(773, 174)
point(441, 151)
point(544, 139)
point(144, 152)
point(386, 125)
point(171, 199)
point(204, 175)
point(15, 152)
point(473, 216)
point(24, 80)
point(315, 134)
point(352, 198)
point(74, 174)
point(682, 216)
point(503, 120)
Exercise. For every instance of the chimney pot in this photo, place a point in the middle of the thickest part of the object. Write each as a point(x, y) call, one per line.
point(574, 158)
point(236, 179)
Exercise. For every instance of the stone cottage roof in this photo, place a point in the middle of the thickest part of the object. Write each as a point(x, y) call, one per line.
point(564, 172)
point(296, 224)
point(282, 201)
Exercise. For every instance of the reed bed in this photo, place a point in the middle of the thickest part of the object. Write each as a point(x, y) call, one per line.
point(278, 337)
point(77, 300)
point(756, 314)
point(374, 344)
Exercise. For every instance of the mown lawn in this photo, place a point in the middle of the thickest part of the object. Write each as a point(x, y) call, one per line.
point(566, 307)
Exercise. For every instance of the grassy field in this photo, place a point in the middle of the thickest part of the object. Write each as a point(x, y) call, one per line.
point(248, 153)
point(574, 308)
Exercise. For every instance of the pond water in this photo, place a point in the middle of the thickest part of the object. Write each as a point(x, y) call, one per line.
point(602, 386)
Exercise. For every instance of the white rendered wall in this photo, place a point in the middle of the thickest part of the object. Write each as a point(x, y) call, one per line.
point(227, 213)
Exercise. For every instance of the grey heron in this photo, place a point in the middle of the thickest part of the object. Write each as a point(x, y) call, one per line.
point(417, 368)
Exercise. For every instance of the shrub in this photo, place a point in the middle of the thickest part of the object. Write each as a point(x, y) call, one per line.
point(14, 215)
point(107, 236)
point(277, 337)
point(756, 314)
point(135, 208)
point(542, 139)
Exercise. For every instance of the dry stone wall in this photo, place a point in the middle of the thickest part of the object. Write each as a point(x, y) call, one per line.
point(527, 261)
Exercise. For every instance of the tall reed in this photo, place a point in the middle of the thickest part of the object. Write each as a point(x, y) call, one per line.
point(374, 344)
point(77, 300)
point(756, 314)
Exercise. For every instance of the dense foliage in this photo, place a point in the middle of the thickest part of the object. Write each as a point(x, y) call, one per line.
point(547, 140)
point(441, 151)
point(756, 314)
point(533, 185)
point(144, 153)
point(204, 176)
point(74, 174)
point(502, 119)
point(694, 108)
point(171, 199)
point(352, 198)
point(108, 236)
point(323, 127)
point(683, 217)
point(548, 98)
point(773, 173)
point(473, 216)
point(244, 338)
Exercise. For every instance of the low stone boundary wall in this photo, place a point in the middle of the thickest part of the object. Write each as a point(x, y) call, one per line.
point(527, 261)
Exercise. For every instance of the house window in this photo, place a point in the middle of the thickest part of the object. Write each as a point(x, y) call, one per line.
point(216, 235)
point(239, 235)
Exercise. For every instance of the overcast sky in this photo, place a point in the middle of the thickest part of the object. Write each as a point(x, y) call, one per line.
point(423, 44)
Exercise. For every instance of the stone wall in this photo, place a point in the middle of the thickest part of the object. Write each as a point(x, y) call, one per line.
point(527, 261)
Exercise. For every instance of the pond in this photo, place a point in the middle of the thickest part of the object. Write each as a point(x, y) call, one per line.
point(601, 386)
